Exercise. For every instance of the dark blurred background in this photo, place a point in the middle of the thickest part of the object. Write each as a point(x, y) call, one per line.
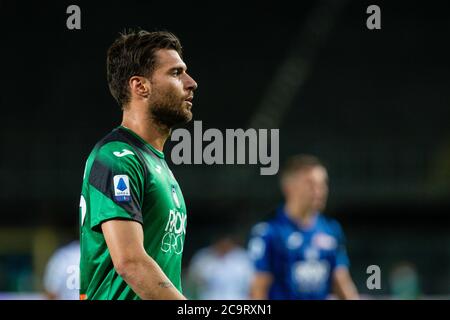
point(374, 105)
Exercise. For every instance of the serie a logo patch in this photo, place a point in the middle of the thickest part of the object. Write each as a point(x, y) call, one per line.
point(122, 188)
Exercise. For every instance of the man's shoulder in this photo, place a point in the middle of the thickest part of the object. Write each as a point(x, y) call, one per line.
point(202, 258)
point(114, 154)
point(116, 146)
point(330, 223)
point(113, 139)
point(239, 254)
point(264, 228)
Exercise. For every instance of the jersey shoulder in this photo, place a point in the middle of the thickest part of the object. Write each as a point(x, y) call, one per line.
point(330, 224)
point(264, 228)
point(119, 144)
point(119, 151)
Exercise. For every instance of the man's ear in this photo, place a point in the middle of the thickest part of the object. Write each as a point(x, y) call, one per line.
point(139, 86)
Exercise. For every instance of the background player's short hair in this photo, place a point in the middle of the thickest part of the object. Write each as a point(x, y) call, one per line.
point(133, 54)
point(298, 163)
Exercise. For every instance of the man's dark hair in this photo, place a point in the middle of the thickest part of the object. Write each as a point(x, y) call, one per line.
point(133, 54)
point(297, 163)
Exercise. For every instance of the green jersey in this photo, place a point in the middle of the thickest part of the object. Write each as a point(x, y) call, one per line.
point(127, 178)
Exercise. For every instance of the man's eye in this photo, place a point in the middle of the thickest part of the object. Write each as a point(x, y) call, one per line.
point(177, 72)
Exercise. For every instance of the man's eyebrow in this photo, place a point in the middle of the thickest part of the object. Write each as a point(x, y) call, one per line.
point(178, 67)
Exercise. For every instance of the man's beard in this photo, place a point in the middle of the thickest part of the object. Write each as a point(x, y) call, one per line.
point(168, 109)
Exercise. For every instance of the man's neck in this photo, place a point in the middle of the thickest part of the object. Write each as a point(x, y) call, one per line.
point(303, 217)
point(153, 133)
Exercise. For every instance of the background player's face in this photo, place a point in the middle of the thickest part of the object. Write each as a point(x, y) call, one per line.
point(300, 189)
point(319, 177)
point(171, 93)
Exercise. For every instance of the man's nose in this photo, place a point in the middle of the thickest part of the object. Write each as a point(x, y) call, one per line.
point(190, 83)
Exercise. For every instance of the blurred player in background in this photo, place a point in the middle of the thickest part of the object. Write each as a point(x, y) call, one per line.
point(133, 215)
point(300, 254)
point(404, 281)
point(221, 271)
point(61, 277)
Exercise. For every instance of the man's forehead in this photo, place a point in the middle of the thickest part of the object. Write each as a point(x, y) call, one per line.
point(169, 58)
point(320, 173)
point(313, 171)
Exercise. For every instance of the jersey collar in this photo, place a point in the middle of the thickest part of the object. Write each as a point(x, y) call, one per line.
point(283, 216)
point(148, 145)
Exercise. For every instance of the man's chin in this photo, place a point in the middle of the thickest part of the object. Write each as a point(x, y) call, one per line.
point(181, 120)
point(189, 116)
point(171, 118)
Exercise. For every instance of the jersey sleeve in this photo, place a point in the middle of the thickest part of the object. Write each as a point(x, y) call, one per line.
point(116, 185)
point(260, 247)
point(342, 259)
